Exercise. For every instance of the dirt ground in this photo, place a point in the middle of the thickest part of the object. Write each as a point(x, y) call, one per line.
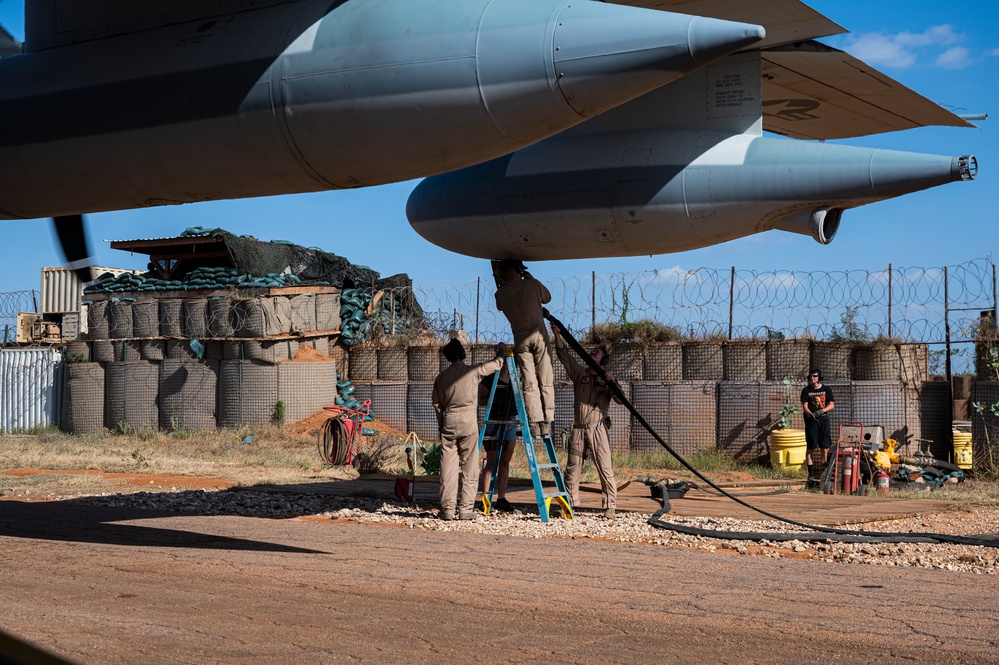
point(96, 584)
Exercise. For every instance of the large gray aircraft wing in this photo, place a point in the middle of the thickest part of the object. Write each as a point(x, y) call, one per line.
point(813, 91)
point(49, 23)
point(785, 20)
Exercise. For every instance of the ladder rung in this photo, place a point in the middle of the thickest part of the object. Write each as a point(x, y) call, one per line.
point(547, 466)
point(502, 422)
point(552, 495)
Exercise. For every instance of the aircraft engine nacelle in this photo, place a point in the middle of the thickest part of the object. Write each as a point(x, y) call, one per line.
point(662, 191)
point(314, 95)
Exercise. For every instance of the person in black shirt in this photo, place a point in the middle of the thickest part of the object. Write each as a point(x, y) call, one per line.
point(816, 403)
point(503, 409)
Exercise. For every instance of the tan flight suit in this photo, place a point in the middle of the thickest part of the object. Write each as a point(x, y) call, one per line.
point(456, 398)
point(521, 300)
point(591, 397)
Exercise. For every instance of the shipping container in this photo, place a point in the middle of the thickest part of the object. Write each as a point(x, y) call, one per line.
point(62, 291)
point(30, 388)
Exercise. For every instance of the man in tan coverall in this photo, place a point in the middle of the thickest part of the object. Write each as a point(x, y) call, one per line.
point(521, 298)
point(456, 398)
point(591, 397)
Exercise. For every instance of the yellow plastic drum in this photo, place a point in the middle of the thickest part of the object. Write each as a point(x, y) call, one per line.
point(962, 449)
point(787, 448)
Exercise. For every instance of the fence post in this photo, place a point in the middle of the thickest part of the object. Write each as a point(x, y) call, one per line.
point(593, 300)
point(950, 382)
point(478, 283)
point(889, 300)
point(995, 296)
point(731, 302)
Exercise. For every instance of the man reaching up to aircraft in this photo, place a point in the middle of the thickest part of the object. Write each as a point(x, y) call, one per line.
point(455, 398)
point(591, 402)
point(521, 297)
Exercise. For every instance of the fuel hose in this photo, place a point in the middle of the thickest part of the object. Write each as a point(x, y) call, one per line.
point(822, 533)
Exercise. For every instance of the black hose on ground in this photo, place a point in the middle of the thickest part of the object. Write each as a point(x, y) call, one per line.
point(824, 532)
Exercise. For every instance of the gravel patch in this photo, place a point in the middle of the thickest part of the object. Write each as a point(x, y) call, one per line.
point(627, 528)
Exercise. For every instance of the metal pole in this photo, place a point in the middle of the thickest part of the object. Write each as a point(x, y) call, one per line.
point(950, 383)
point(995, 297)
point(478, 283)
point(731, 302)
point(889, 300)
point(392, 306)
point(593, 300)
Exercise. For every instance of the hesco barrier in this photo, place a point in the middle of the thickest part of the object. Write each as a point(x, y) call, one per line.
point(747, 411)
point(393, 364)
point(145, 319)
point(154, 349)
point(420, 414)
point(188, 394)
point(171, 317)
point(928, 415)
point(195, 318)
point(788, 359)
point(220, 317)
point(119, 314)
point(180, 349)
point(880, 403)
point(213, 350)
point(664, 362)
point(626, 362)
point(126, 350)
point(327, 311)
point(390, 398)
point(248, 318)
point(130, 391)
point(424, 363)
point(83, 398)
point(247, 393)
point(744, 360)
point(985, 428)
point(363, 363)
point(303, 313)
point(305, 388)
point(735, 417)
point(703, 361)
point(476, 354)
point(102, 351)
point(97, 320)
point(834, 359)
point(914, 360)
point(683, 414)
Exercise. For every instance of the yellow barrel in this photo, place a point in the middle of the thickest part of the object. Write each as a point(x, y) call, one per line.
point(787, 448)
point(962, 449)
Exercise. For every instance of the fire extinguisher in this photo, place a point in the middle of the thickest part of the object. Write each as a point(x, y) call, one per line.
point(881, 482)
point(846, 486)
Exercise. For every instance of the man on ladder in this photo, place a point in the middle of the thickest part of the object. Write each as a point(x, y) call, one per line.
point(521, 298)
point(592, 398)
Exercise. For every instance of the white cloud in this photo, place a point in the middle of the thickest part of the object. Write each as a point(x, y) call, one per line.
point(994, 52)
point(902, 50)
point(956, 57)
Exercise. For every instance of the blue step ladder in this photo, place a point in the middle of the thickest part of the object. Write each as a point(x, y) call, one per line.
point(544, 499)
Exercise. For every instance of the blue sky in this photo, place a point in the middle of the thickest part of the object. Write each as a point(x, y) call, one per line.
point(947, 51)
